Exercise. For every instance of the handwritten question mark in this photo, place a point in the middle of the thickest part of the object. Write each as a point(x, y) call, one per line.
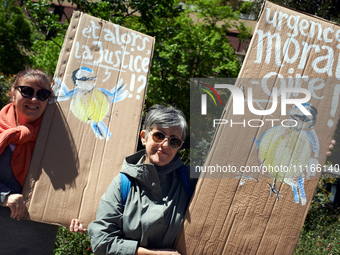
point(335, 102)
point(141, 78)
point(132, 84)
point(141, 87)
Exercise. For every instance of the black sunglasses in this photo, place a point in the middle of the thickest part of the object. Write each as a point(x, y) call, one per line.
point(28, 92)
point(158, 137)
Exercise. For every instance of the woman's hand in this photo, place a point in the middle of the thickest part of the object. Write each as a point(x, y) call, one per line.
point(144, 251)
point(16, 203)
point(76, 227)
point(331, 147)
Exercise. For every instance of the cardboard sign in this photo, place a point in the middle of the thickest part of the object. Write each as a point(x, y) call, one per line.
point(92, 124)
point(269, 151)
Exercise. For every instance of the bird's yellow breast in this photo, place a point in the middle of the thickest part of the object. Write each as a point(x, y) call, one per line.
point(286, 147)
point(90, 106)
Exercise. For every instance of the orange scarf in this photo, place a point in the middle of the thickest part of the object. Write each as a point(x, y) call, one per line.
point(23, 136)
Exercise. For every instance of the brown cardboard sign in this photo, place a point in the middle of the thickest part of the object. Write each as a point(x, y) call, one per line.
point(92, 123)
point(274, 133)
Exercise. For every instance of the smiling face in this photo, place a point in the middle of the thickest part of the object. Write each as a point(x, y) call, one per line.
point(29, 110)
point(160, 154)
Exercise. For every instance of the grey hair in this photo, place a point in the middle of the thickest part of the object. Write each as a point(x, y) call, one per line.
point(165, 117)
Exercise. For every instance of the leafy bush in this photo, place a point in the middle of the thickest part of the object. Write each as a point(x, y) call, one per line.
point(16, 37)
point(246, 7)
point(321, 232)
point(5, 85)
point(46, 53)
point(71, 243)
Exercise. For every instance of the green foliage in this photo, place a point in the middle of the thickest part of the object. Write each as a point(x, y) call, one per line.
point(246, 7)
point(324, 240)
point(213, 11)
point(49, 35)
point(199, 151)
point(119, 11)
point(187, 48)
point(72, 243)
point(15, 37)
point(5, 85)
point(45, 22)
point(46, 54)
point(29, 42)
point(184, 154)
point(321, 232)
point(319, 210)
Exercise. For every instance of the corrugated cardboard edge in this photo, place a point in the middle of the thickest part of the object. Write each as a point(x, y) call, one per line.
point(34, 172)
point(66, 49)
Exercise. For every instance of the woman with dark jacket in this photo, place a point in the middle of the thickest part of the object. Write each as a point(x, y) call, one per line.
point(19, 127)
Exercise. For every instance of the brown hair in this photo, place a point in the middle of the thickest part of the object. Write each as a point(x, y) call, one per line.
point(38, 74)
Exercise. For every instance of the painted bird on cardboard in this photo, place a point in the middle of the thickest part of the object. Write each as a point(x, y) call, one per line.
point(90, 104)
point(296, 149)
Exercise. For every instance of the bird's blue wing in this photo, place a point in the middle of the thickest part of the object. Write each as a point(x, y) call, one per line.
point(101, 130)
point(257, 141)
point(302, 190)
point(295, 192)
point(313, 138)
point(118, 93)
point(61, 90)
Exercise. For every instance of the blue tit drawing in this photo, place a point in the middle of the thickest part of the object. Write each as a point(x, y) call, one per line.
point(294, 149)
point(89, 103)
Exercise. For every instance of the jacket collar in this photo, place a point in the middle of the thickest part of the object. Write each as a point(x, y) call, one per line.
point(148, 174)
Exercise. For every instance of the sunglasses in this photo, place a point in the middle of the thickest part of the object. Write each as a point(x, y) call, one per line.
point(28, 92)
point(158, 137)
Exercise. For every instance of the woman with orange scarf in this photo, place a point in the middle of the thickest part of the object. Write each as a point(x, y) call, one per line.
point(19, 127)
